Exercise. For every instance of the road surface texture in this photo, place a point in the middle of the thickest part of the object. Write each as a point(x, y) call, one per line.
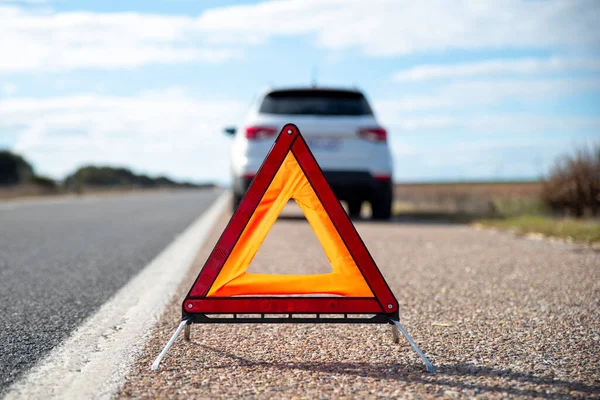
point(60, 260)
point(500, 316)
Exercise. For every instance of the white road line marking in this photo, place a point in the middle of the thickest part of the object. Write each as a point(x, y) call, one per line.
point(94, 361)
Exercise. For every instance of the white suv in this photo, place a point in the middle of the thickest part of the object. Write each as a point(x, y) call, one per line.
point(342, 133)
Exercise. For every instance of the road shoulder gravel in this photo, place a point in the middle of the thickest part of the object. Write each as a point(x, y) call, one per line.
point(500, 317)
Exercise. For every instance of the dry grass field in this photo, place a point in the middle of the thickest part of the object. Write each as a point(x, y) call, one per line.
point(515, 206)
point(473, 198)
point(26, 190)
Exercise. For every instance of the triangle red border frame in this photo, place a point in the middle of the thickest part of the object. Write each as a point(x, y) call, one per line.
point(196, 302)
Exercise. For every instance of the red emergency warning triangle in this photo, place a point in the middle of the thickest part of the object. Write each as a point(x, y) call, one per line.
point(355, 285)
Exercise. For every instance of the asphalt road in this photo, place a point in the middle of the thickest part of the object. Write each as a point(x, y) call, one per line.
point(60, 260)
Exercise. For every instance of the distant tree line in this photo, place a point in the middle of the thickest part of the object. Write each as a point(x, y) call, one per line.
point(101, 176)
point(15, 170)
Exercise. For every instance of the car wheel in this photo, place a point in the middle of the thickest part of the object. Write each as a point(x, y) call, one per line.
point(237, 199)
point(354, 207)
point(381, 205)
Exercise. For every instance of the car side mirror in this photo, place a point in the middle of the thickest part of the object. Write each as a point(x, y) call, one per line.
point(230, 130)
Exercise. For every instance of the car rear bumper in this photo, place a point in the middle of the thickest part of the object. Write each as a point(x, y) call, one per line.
point(361, 185)
point(345, 184)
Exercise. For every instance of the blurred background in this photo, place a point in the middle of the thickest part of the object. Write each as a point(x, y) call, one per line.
point(492, 108)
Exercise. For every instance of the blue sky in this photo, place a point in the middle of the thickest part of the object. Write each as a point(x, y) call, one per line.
point(468, 90)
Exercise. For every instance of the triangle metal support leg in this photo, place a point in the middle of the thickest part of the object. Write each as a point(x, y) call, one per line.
point(164, 351)
point(410, 340)
point(187, 332)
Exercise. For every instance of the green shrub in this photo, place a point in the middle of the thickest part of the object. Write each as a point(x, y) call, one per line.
point(43, 181)
point(14, 169)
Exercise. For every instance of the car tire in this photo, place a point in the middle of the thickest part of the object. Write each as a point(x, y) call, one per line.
point(381, 205)
point(235, 203)
point(354, 207)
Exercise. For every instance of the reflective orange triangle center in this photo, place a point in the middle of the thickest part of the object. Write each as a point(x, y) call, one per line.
point(289, 182)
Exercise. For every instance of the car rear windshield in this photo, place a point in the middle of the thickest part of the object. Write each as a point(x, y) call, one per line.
point(315, 102)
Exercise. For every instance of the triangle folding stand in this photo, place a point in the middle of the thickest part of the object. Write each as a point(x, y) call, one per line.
point(355, 292)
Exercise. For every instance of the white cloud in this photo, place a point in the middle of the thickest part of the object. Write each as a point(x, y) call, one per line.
point(480, 159)
point(156, 132)
point(388, 28)
point(49, 40)
point(483, 93)
point(470, 107)
point(493, 123)
point(527, 66)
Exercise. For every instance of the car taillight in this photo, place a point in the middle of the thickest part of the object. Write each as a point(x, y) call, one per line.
point(260, 132)
point(382, 178)
point(375, 134)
